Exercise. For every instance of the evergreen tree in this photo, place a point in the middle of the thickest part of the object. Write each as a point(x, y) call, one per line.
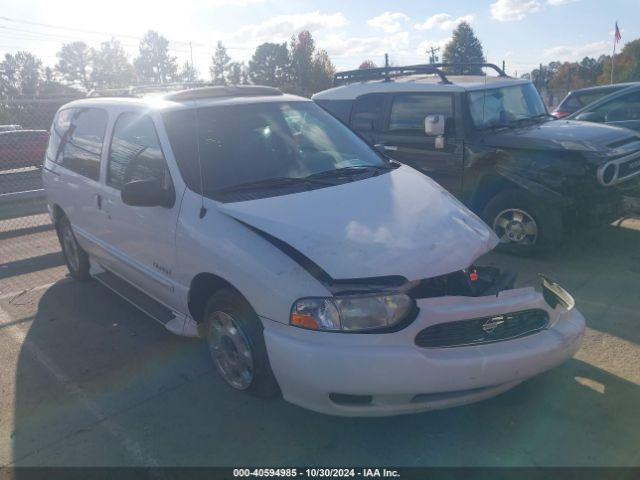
point(220, 65)
point(270, 65)
point(464, 47)
point(154, 63)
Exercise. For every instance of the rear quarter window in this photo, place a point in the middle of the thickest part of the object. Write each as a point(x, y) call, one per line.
point(77, 138)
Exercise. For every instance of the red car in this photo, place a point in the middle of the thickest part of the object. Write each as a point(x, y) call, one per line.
point(22, 148)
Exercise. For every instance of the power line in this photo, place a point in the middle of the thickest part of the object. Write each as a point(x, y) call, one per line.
point(93, 32)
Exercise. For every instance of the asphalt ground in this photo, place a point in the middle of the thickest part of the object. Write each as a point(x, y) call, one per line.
point(87, 380)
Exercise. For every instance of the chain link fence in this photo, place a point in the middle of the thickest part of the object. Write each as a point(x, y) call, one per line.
point(29, 250)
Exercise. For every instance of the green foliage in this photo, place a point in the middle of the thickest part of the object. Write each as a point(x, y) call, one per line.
point(75, 62)
point(111, 68)
point(220, 65)
point(311, 70)
point(20, 74)
point(464, 47)
point(154, 63)
point(270, 65)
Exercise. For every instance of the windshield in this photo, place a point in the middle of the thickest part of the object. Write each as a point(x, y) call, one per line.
point(289, 143)
point(505, 106)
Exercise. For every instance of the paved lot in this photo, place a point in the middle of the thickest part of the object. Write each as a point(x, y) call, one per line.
point(88, 380)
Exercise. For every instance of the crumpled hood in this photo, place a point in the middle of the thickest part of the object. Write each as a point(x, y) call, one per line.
point(561, 135)
point(398, 223)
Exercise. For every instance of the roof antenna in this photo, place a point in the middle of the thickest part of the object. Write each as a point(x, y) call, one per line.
point(203, 210)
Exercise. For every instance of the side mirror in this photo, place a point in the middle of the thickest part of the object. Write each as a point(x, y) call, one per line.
point(146, 193)
point(589, 117)
point(434, 125)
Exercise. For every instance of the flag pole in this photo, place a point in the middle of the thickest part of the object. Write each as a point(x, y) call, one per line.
point(613, 58)
point(616, 38)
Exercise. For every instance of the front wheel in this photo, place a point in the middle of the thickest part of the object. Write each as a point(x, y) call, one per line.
point(233, 333)
point(522, 223)
point(75, 257)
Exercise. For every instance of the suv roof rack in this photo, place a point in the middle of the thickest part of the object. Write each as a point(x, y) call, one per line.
point(387, 73)
point(222, 91)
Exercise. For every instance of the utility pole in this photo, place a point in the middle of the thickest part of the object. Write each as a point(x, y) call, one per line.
point(433, 58)
point(503, 67)
point(191, 55)
point(386, 60)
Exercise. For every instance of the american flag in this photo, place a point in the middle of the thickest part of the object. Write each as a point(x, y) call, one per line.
point(618, 35)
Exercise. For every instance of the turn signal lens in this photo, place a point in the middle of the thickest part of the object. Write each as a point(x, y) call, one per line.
point(304, 321)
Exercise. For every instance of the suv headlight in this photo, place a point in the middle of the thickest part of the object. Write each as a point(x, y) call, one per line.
point(351, 313)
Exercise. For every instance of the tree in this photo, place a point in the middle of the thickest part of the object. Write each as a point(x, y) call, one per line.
point(237, 73)
point(75, 64)
point(220, 65)
point(111, 68)
point(302, 48)
point(188, 73)
point(322, 72)
point(367, 64)
point(464, 47)
point(154, 64)
point(20, 74)
point(270, 65)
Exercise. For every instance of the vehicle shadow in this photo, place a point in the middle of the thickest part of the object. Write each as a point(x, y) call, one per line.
point(98, 383)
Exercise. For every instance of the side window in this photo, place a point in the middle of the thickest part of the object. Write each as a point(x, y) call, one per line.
point(135, 152)
point(367, 113)
point(81, 135)
point(408, 112)
point(623, 108)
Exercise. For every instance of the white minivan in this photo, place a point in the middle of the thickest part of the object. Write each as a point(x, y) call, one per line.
point(312, 264)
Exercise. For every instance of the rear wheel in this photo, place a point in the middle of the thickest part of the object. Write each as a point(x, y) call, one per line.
point(233, 333)
point(522, 223)
point(75, 257)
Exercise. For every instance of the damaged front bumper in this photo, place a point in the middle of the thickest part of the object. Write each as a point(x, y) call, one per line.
point(389, 374)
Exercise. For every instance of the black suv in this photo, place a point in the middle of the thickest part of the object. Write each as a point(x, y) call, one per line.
point(491, 142)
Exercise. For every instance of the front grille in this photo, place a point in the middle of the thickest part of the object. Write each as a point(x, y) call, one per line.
point(483, 330)
point(629, 167)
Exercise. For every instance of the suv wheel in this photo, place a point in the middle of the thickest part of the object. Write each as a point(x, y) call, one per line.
point(75, 257)
point(521, 222)
point(233, 333)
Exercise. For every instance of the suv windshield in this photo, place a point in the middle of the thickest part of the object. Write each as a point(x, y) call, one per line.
point(505, 106)
point(272, 146)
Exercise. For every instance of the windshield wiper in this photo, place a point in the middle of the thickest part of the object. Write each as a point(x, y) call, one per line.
point(271, 183)
point(352, 170)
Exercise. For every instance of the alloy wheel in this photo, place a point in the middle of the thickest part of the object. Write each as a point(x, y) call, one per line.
point(230, 350)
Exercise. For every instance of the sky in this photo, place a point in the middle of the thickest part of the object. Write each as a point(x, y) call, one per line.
point(523, 33)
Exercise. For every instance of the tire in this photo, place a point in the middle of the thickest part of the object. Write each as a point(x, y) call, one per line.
point(523, 223)
point(75, 257)
point(234, 336)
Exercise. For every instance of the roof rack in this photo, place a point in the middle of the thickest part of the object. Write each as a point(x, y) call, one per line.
point(222, 91)
point(388, 73)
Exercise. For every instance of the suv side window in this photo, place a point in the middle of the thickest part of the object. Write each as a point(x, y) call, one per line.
point(135, 152)
point(408, 112)
point(623, 108)
point(83, 136)
point(367, 113)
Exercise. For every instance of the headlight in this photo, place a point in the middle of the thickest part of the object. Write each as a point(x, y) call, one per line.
point(351, 313)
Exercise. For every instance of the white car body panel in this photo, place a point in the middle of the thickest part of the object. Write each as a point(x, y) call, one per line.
point(400, 223)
